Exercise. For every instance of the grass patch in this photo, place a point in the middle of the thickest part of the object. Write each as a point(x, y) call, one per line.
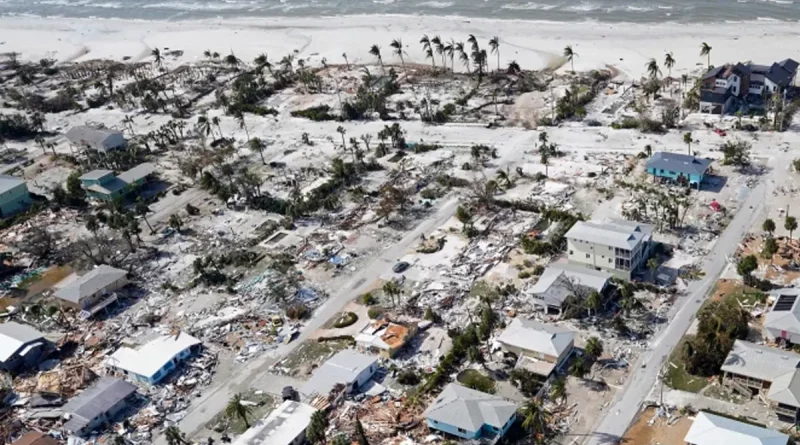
point(264, 404)
point(474, 379)
point(677, 377)
point(312, 353)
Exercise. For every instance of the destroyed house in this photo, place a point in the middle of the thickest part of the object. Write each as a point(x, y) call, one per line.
point(21, 347)
point(540, 348)
point(286, 425)
point(558, 281)
point(155, 360)
point(348, 367)
point(782, 322)
point(99, 404)
point(92, 292)
point(35, 438)
point(14, 196)
point(710, 429)
point(679, 168)
point(470, 414)
point(105, 186)
point(95, 138)
point(615, 246)
point(770, 373)
point(384, 337)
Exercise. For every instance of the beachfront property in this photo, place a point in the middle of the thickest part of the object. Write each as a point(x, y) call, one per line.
point(105, 186)
point(711, 429)
point(769, 373)
point(559, 281)
point(348, 367)
point(728, 87)
point(99, 404)
point(384, 338)
point(540, 348)
point(782, 322)
point(93, 291)
point(678, 168)
point(96, 138)
point(616, 246)
point(154, 361)
point(14, 196)
point(22, 347)
point(470, 414)
point(286, 425)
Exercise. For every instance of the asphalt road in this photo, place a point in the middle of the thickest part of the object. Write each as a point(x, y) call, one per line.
point(645, 373)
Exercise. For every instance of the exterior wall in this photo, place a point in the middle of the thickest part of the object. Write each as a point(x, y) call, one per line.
point(710, 108)
point(99, 181)
point(363, 377)
point(755, 88)
point(114, 141)
point(774, 334)
point(14, 201)
point(693, 179)
point(32, 358)
point(165, 370)
point(449, 429)
point(770, 86)
point(595, 256)
point(106, 197)
point(720, 83)
point(528, 353)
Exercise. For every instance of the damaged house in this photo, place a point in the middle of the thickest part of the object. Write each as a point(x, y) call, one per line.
point(384, 338)
point(470, 414)
point(155, 360)
point(90, 293)
point(782, 322)
point(105, 186)
point(559, 281)
point(540, 348)
point(348, 367)
point(99, 404)
point(286, 425)
point(22, 347)
point(35, 438)
point(711, 429)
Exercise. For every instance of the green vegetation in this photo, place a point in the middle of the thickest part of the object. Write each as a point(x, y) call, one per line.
point(473, 379)
point(677, 376)
point(318, 113)
point(346, 319)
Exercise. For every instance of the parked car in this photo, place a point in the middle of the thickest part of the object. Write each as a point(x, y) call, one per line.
point(400, 267)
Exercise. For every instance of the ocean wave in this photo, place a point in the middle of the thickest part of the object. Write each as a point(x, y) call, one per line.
point(183, 6)
point(530, 6)
point(383, 2)
point(632, 8)
point(583, 7)
point(437, 5)
point(768, 19)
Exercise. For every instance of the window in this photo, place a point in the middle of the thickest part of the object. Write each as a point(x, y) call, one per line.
point(570, 252)
point(609, 260)
point(588, 256)
point(661, 170)
point(436, 422)
point(462, 430)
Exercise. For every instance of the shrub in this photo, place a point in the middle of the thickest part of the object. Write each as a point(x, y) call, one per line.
point(297, 311)
point(318, 113)
point(375, 312)
point(368, 299)
point(408, 377)
point(524, 274)
point(347, 319)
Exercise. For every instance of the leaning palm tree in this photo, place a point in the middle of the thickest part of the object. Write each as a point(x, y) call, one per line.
point(558, 389)
point(156, 53)
point(346, 62)
point(534, 418)
point(436, 41)
point(256, 144)
point(174, 436)
point(397, 45)
point(238, 410)
point(462, 55)
point(705, 50)
point(570, 55)
point(652, 69)
point(449, 51)
point(594, 347)
point(375, 50)
point(494, 44)
point(669, 62)
point(473, 42)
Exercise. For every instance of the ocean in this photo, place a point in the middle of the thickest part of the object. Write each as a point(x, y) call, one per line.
point(634, 11)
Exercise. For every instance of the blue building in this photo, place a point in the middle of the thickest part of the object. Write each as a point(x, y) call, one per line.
point(155, 360)
point(679, 168)
point(470, 414)
point(14, 196)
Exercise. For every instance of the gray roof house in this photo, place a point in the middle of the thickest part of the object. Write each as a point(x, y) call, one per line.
point(21, 346)
point(558, 281)
point(286, 425)
point(100, 139)
point(616, 246)
point(347, 367)
point(14, 195)
point(470, 414)
point(540, 347)
point(710, 429)
point(88, 292)
point(672, 166)
point(782, 322)
point(98, 404)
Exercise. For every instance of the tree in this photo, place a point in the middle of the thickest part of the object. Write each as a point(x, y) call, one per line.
point(669, 62)
point(428, 50)
point(375, 50)
point(397, 46)
point(141, 209)
point(315, 431)
point(652, 264)
point(392, 290)
point(175, 222)
point(558, 389)
point(534, 419)
point(652, 69)
point(92, 224)
point(570, 55)
point(256, 144)
point(235, 409)
point(593, 302)
point(361, 437)
point(39, 243)
point(545, 159)
point(790, 224)
point(156, 53)
point(346, 62)
point(175, 436)
point(75, 191)
point(768, 226)
point(770, 248)
point(719, 325)
point(746, 266)
point(462, 55)
point(594, 347)
point(494, 44)
point(579, 367)
point(736, 152)
point(341, 439)
point(687, 139)
point(705, 50)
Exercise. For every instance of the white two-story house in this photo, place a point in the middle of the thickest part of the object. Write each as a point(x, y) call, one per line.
point(616, 246)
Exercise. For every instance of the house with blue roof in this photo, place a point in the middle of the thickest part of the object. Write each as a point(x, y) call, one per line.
point(679, 168)
point(469, 414)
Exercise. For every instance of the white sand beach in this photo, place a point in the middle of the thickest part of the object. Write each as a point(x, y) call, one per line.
point(534, 45)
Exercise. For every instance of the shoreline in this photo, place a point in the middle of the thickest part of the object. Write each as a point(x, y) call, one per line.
point(534, 45)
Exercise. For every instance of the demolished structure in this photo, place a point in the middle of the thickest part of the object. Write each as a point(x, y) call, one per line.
point(155, 360)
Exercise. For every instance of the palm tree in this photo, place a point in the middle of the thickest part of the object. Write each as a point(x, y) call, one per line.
point(494, 44)
point(594, 347)
point(687, 139)
point(545, 160)
point(578, 368)
point(287, 63)
point(237, 410)
point(450, 49)
point(262, 62)
point(570, 55)
point(705, 50)
point(558, 389)
point(174, 436)
point(652, 69)
point(397, 45)
point(428, 50)
point(436, 41)
point(375, 50)
point(652, 264)
point(790, 224)
point(462, 55)
point(513, 68)
point(593, 302)
point(346, 62)
point(473, 42)
point(392, 289)
point(156, 53)
point(215, 122)
point(534, 418)
point(669, 62)
point(141, 209)
point(769, 226)
point(256, 144)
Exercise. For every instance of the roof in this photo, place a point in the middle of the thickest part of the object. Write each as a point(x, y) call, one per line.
point(789, 65)
point(786, 389)
point(716, 96)
point(137, 173)
point(35, 438)
point(383, 335)
point(714, 72)
point(466, 408)
point(98, 399)
point(344, 367)
point(710, 429)
point(759, 362)
point(9, 182)
point(779, 75)
point(98, 279)
point(785, 312)
point(108, 187)
point(558, 280)
point(678, 162)
point(95, 175)
point(538, 337)
point(152, 356)
point(611, 232)
point(281, 427)
point(93, 137)
point(14, 336)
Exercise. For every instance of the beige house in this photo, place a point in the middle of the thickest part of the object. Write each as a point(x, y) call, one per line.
point(615, 246)
point(540, 348)
point(93, 291)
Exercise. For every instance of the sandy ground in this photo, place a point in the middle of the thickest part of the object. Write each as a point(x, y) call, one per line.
point(660, 432)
